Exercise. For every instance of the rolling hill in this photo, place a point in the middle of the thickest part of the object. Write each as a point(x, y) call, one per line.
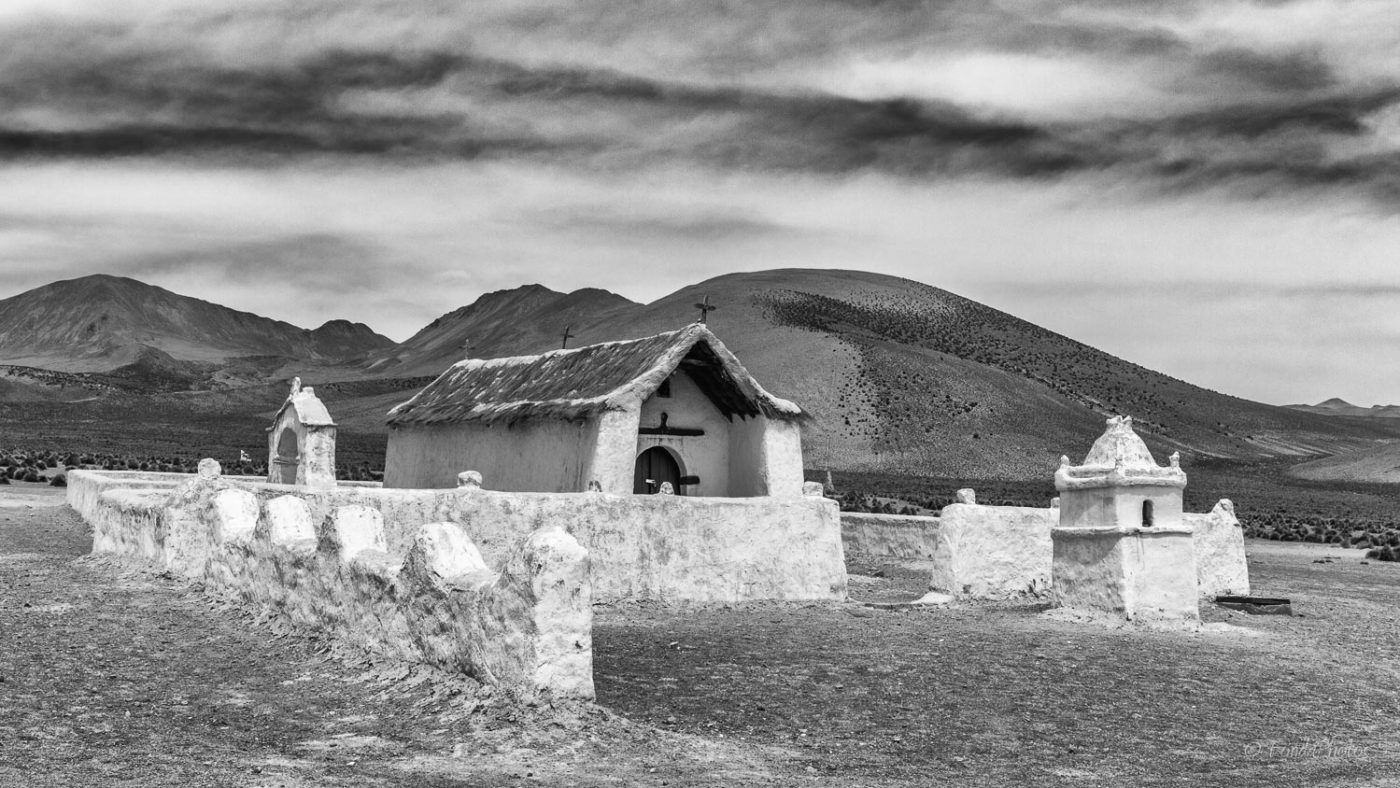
point(109, 324)
point(1340, 407)
point(500, 323)
point(901, 377)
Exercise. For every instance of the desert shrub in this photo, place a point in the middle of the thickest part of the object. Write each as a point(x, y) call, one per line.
point(4, 480)
point(59, 480)
point(1386, 553)
point(31, 475)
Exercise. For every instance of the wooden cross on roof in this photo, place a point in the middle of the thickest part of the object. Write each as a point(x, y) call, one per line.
point(705, 308)
point(567, 336)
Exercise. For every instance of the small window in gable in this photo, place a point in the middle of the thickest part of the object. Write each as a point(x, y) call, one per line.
point(664, 390)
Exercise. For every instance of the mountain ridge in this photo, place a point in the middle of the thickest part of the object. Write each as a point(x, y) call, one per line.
point(101, 323)
point(1336, 406)
point(530, 315)
point(901, 376)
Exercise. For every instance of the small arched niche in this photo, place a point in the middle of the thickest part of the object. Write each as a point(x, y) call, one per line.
point(286, 456)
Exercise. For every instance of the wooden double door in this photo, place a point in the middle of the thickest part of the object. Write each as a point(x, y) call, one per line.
point(654, 467)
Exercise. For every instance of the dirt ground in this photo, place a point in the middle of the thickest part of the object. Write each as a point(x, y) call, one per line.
point(113, 675)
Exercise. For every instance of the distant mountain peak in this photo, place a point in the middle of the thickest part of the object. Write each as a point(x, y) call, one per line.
point(530, 316)
point(115, 278)
point(100, 322)
point(1335, 402)
point(535, 289)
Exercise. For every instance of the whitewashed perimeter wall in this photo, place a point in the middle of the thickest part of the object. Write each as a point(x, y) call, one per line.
point(525, 628)
point(977, 552)
point(993, 552)
point(997, 552)
point(642, 547)
point(1218, 539)
point(889, 537)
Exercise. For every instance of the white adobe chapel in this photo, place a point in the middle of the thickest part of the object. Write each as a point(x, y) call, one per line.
point(673, 409)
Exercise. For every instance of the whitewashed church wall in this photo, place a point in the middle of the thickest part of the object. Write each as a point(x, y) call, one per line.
point(706, 456)
point(535, 456)
point(765, 458)
point(782, 457)
point(614, 457)
point(748, 473)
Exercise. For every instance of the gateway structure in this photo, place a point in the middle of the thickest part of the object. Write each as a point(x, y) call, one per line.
point(301, 441)
point(675, 412)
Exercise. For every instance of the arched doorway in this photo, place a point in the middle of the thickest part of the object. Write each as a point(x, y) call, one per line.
point(284, 470)
point(655, 466)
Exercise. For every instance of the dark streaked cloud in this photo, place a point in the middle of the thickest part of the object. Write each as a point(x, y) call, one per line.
point(730, 87)
point(310, 263)
point(1286, 73)
point(702, 226)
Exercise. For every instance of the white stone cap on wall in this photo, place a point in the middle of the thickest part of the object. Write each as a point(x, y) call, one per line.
point(1119, 458)
point(1089, 532)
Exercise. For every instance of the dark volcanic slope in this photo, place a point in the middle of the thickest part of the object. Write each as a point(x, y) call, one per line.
point(100, 323)
point(900, 376)
point(905, 377)
point(530, 319)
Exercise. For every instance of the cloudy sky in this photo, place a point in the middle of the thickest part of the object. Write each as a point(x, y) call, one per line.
point(1210, 189)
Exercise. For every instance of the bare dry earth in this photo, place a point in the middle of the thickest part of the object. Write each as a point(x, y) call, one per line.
point(113, 676)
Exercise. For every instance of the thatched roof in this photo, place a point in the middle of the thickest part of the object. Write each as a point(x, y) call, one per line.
point(585, 381)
